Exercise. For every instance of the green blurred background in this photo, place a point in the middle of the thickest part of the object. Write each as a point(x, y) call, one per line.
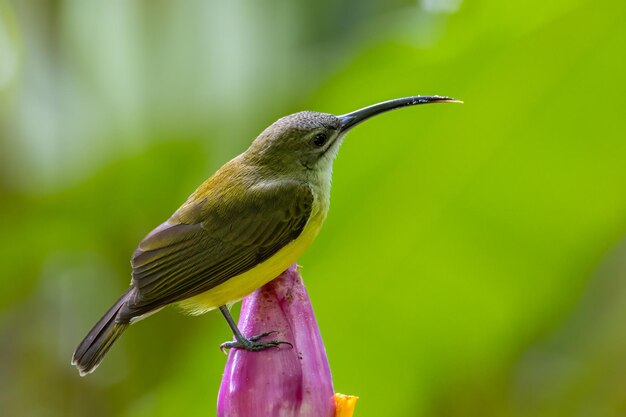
point(474, 259)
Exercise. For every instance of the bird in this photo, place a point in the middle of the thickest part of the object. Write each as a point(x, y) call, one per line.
point(241, 228)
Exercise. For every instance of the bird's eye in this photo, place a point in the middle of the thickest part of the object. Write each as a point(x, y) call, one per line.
point(319, 140)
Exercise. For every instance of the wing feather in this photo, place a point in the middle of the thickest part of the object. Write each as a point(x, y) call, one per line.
point(178, 260)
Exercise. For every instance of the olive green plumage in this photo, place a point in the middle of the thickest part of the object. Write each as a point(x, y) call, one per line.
point(220, 239)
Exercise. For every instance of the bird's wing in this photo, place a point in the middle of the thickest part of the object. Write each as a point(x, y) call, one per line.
point(216, 239)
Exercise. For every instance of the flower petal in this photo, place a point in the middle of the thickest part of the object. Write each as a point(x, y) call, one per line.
point(345, 405)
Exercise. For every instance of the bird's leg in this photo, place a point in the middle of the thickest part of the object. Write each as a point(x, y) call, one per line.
point(250, 344)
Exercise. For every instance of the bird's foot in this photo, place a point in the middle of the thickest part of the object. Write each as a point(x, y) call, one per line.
point(252, 344)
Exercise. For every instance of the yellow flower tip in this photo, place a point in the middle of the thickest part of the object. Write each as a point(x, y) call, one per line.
point(344, 405)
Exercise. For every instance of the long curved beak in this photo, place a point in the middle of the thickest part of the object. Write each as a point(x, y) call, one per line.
point(348, 121)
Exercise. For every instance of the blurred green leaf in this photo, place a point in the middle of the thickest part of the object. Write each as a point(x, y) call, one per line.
point(472, 261)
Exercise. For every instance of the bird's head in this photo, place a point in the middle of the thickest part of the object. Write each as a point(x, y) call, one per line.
point(298, 141)
point(309, 141)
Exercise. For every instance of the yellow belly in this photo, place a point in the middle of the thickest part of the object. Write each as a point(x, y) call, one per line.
point(238, 287)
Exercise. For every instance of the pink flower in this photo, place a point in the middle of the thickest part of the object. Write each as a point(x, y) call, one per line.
point(286, 381)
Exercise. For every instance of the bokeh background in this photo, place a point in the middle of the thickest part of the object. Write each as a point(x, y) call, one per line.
point(474, 259)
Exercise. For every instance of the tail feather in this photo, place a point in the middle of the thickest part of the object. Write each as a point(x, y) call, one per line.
point(100, 338)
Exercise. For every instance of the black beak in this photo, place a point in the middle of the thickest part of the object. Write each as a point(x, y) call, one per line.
point(348, 121)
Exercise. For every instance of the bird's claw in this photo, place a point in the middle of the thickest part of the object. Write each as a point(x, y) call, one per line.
point(252, 344)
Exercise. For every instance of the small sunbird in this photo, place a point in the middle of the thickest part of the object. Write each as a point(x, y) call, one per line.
point(240, 229)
